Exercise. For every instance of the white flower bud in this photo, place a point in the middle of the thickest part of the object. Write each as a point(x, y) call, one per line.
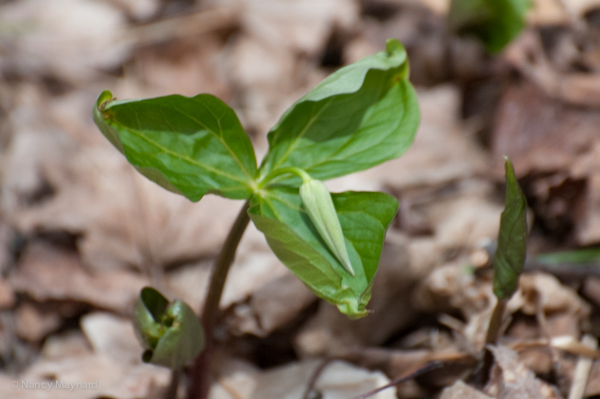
point(320, 209)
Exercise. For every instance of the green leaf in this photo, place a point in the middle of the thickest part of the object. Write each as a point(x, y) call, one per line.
point(188, 145)
point(585, 255)
point(364, 217)
point(147, 314)
point(170, 332)
point(360, 116)
point(495, 22)
point(509, 258)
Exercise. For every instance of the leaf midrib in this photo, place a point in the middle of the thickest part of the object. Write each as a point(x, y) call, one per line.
point(293, 144)
point(218, 137)
point(186, 158)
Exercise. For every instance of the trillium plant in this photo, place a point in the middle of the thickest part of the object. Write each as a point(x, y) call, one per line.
point(360, 116)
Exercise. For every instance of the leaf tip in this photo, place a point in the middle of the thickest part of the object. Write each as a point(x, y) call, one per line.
point(509, 171)
point(105, 97)
point(393, 46)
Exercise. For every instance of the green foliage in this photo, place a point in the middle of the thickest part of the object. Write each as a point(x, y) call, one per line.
point(170, 333)
point(509, 258)
point(364, 217)
point(191, 146)
point(587, 255)
point(495, 22)
point(318, 204)
point(360, 116)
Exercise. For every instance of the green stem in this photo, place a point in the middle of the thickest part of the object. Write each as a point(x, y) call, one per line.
point(271, 177)
point(201, 370)
point(491, 338)
point(493, 331)
point(171, 392)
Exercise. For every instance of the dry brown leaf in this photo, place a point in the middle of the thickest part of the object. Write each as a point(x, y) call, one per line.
point(114, 380)
point(593, 385)
point(512, 380)
point(7, 295)
point(580, 7)
point(452, 286)
point(545, 147)
point(112, 336)
point(302, 26)
point(138, 9)
point(236, 379)
point(275, 59)
point(439, 6)
point(548, 12)
point(543, 292)
point(33, 325)
point(70, 39)
point(47, 272)
point(591, 290)
point(187, 66)
point(68, 344)
point(587, 227)
point(271, 306)
point(462, 217)
point(339, 380)
point(575, 88)
point(114, 365)
point(460, 390)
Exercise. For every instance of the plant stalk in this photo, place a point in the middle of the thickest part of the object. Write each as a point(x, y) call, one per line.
point(491, 338)
point(495, 322)
point(200, 372)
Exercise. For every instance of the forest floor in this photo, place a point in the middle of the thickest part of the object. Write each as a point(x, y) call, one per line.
point(81, 232)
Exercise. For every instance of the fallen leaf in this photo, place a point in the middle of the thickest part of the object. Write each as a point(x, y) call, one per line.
point(41, 41)
point(460, 390)
point(337, 380)
point(47, 272)
point(33, 325)
point(512, 380)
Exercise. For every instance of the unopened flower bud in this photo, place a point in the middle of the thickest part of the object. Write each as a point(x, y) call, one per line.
point(320, 209)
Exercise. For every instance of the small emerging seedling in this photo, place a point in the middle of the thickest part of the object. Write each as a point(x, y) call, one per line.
point(509, 259)
point(170, 332)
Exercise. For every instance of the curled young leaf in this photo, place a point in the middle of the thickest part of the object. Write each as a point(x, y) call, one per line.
point(512, 239)
point(170, 332)
point(364, 218)
point(319, 206)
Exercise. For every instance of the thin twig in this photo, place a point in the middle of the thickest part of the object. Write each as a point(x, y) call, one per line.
point(315, 376)
point(481, 375)
point(200, 372)
point(582, 370)
point(420, 371)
